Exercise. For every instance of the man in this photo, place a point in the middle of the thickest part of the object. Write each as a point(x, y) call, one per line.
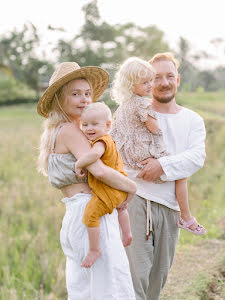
point(184, 135)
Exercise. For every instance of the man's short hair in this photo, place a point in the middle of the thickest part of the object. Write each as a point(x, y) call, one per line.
point(164, 56)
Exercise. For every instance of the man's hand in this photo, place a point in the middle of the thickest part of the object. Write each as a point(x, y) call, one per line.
point(152, 169)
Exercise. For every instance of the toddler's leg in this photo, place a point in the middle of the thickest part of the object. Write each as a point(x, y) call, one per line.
point(186, 221)
point(94, 249)
point(182, 199)
point(94, 210)
point(124, 222)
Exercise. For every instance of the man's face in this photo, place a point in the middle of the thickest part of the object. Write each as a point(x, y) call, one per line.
point(165, 82)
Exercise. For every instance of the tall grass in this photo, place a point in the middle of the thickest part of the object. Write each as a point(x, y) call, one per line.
point(32, 263)
point(31, 260)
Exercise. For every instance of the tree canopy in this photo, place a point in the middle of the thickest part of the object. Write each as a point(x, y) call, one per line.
point(102, 44)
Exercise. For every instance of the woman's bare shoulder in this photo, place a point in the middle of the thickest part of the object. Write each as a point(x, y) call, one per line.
point(70, 129)
point(73, 140)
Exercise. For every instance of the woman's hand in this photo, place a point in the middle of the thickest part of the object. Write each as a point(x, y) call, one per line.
point(125, 203)
point(129, 197)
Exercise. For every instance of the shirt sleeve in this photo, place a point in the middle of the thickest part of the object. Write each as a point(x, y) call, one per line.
point(186, 163)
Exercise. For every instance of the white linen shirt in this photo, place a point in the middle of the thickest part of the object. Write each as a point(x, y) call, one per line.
point(184, 135)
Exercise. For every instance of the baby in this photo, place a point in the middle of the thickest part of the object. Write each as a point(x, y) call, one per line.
point(96, 123)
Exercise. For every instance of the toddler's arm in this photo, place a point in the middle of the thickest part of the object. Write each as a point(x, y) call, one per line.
point(152, 124)
point(89, 157)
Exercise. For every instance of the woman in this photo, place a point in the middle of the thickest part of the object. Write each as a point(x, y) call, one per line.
point(70, 90)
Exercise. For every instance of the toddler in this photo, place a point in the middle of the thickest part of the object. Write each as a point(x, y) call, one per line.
point(96, 123)
point(132, 83)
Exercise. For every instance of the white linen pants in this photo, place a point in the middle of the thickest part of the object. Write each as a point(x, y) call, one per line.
point(109, 278)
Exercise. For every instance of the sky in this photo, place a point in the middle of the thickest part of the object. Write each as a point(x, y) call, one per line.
point(198, 21)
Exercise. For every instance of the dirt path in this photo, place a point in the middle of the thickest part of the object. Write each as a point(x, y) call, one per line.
point(194, 268)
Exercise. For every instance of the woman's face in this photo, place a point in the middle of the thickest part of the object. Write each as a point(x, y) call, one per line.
point(78, 96)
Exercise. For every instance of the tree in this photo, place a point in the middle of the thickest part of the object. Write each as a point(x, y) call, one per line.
point(207, 80)
point(219, 74)
point(100, 43)
point(18, 53)
point(187, 69)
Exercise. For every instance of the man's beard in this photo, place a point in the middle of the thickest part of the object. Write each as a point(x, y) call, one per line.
point(165, 99)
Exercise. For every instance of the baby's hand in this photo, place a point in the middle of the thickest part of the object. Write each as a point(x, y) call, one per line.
point(123, 205)
point(80, 172)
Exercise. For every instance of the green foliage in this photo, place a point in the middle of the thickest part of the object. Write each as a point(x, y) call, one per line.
point(18, 53)
point(12, 89)
point(100, 43)
point(202, 99)
point(200, 89)
point(31, 260)
point(206, 187)
point(207, 80)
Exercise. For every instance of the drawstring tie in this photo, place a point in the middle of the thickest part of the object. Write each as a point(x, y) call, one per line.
point(149, 220)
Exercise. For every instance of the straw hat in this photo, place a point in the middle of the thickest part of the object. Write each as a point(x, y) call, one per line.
point(66, 72)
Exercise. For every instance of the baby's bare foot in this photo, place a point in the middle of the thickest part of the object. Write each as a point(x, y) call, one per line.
point(91, 258)
point(127, 239)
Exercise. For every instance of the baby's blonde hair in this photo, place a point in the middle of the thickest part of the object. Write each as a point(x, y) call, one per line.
point(130, 72)
point(100, 108)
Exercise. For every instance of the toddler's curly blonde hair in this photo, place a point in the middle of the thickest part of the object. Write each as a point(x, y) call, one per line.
point(130, 72)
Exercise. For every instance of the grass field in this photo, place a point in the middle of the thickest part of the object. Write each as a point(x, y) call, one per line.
point(31, 260)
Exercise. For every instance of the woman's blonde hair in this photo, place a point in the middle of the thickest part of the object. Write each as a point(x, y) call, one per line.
point(130, 72)
point(56, 116)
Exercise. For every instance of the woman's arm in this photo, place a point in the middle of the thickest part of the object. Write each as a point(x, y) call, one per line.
point(92, 155)
point(89, 157)
point(76, 143)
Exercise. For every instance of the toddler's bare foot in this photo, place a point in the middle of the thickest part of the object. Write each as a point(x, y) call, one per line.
point(91, 258)
point(127, 239)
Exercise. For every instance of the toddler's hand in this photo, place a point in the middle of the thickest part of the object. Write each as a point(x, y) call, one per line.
point(80, 172)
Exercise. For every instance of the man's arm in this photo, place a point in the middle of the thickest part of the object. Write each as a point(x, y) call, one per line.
point(181, 165)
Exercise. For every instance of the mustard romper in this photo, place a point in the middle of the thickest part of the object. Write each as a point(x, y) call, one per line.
point(104, 198)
